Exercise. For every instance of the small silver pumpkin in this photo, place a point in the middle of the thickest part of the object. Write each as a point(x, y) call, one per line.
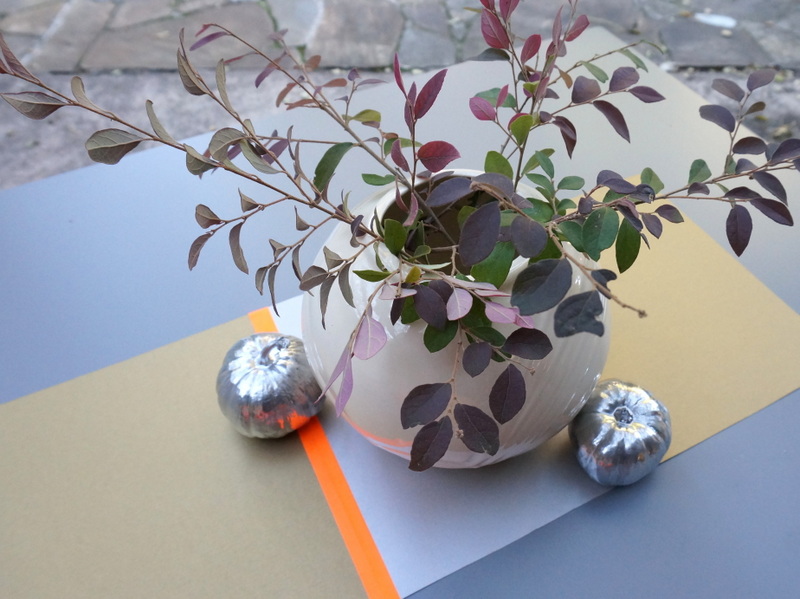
point(621, 433)
point(265, 386)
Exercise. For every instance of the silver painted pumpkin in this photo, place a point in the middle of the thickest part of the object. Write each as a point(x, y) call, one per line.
point(621, 433)
point(265, 386)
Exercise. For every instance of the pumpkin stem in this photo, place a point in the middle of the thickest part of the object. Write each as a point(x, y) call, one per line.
point(623, 415)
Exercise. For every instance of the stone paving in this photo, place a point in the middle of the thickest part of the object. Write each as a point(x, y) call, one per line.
point(125, 48)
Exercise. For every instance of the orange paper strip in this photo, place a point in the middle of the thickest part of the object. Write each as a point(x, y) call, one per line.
point(352, 526)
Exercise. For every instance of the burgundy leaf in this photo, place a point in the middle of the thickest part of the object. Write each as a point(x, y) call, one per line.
point(370, 339)
point(614, 116)
point(482, 109)
point(397, 155)
point(531, 47)
point(449, 191)
point(430, 444)
point(429, 93)
point(580, 25)
point(788, 149)
point(774, 210)
point(479, 234)
point(738, 227)
point(653, 224)
point(476, 357)
point(209, 38)
point(728, 88)
point(478, 431)
point(568, 133)
point(760, 78)
point(772, 184)
point(507, 7)
point(436, 155)
point(424, 404)
point(458, 304)
point(398, 75)
point(646, 94)
point(528, 344)
point(528, 236)
point(623, 78)
point(488, 4)
point(578, 314)
point(507, 395)
point(585, 89)
point(669, 213)
point(719, 115)
point(493, 31)
point(750, 145)
point(431, 307)
point(501, 96)
point(541, 285)
point(557, 30)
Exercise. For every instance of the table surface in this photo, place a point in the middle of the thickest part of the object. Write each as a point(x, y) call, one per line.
point(94, 274)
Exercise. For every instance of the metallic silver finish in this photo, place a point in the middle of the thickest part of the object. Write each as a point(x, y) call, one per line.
point(621, 433)
point(266, 387)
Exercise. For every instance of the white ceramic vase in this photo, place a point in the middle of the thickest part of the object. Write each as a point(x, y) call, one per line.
point(555, 392)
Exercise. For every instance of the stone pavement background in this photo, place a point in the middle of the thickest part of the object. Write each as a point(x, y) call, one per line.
point(125, 52)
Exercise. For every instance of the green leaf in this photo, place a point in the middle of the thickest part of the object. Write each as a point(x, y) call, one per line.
point(544, 185)
point(436, 339)
point(497, 163)
point(539, 211)
point(599, 231)
point(222, 140)
point(255, 160)
point(409, 312)
point(377, 180)
point(571, 183)
point(596, 71)
point(545, 162)
point(366, 116)
point(108, 146)
point(650, 178)
point(327, 165)
point(196, 163)
point(628, 243)
point(158, 128)
point(493, 94)
point(373, 276)
point(521, 127)
point(638, 62)
point(699, 171)
point(533, 161)
point(573, 232)
point(564, 205)
point(394, 235)
point(496, 267)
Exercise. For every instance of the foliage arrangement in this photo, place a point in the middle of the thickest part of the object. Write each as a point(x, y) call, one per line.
point(454, 237)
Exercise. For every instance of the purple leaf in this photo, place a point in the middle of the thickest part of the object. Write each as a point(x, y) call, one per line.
point(398, 75)
point(760, 78)
point(370, 339)
point(646, 94)
point(500, 314)
point(430, 444)
point(507, 7)
point(528, 344)
point(479, 234)
point(482, 109)
point(501, 96)
point(774, 210)
point(34, 105)
point(528, 236)
point(344, 364)
point(493, 31)
point(653, 224)
point(585, 89)
point(750, 145)
point(772, 184)
point(436, 155)
point(614, 116)
point(669, 213)
point(606, 175)
point(424, 404)
point(507, 395)
point(698, 187)
point(620, 185)
point(541, 285)
point(397, 155)
point(531, 47)
point(459, 304)
point(578, 314)
point(449, 191)
point(630, 213)
point(623, 78)
point(719, 115)
point(429, 93)
point(476, 357)
point(787, 150)
point(738, 227)
point(443, 288)
point(495, 184)
point(209, 38)
point(742, 193)
point(728, 88)
point(557, 30)
point(580, 25)
point(431, 307)
point(568, 133)
point(478, 431)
